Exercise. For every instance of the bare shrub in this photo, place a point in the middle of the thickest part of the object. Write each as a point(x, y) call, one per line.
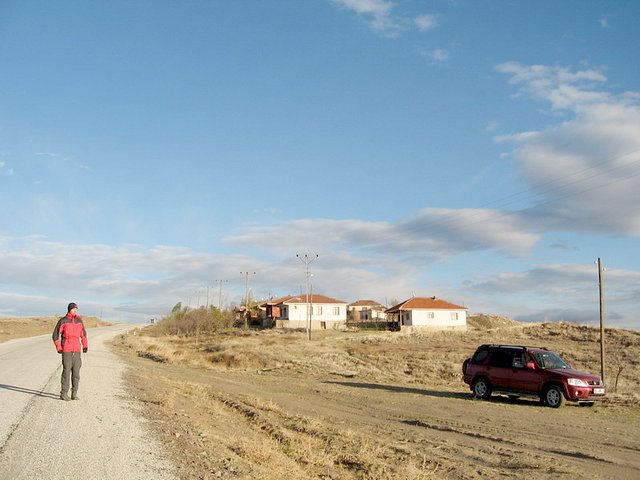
point(193, 323)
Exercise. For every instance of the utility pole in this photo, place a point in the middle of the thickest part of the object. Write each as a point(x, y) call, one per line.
point(306, 259)
point(601, 292)
point(246, 297)
point(220, 294)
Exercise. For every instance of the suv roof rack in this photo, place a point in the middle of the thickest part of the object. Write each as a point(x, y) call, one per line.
point(499, 345)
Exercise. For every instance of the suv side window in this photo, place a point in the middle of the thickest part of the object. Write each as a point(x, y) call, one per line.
point(519, 360)
point(481, 355)
point(502, 358)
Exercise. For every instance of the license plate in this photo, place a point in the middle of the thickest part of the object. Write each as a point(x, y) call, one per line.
point(598, 391)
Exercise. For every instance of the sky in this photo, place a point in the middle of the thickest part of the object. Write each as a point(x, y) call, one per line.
point(486, 152)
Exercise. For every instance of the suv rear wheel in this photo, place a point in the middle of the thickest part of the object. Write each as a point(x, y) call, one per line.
point(553, 397)
point(481, 388)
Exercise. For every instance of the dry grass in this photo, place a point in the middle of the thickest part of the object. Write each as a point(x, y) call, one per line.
point(286, 409)
point(426, 358)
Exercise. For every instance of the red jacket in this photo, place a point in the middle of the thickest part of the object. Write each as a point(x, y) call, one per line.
point(69, 334)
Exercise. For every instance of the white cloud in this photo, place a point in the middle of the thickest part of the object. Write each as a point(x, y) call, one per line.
point(604, 22)
point(585, 170)
point(549, 280)
point(568, 292)
point(383, 17)
point(378, 13)
point(426, 22)
point(53, 155)
point(440, 54)
point(154, 278)
point(5, 171)
point(436, 55)
point(561, 87)
point(131, 283)
point(491, 127)
point(430, 235)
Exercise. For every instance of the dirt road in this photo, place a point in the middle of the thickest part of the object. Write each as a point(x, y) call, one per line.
point(99, 436)
point(288, 424)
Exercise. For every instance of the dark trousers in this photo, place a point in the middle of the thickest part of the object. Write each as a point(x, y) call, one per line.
point(71, 363)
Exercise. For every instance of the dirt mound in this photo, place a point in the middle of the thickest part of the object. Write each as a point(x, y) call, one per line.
point(483, 321)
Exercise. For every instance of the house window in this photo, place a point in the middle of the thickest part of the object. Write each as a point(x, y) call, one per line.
point(454, 315)
point(431, 315)
point(318, 310)
point(336, 311)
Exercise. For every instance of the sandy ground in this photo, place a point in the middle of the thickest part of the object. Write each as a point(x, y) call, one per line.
point(375, 408)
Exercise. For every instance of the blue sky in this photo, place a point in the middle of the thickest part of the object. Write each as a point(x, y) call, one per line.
point(486, 152)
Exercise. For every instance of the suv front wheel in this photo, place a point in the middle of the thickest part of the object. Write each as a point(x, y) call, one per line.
point(553, 397)
point(482, 388)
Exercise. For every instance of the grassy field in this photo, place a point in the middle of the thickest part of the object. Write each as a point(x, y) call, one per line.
point(272, 404)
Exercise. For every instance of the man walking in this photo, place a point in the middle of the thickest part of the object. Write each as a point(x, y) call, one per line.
point(69, 337)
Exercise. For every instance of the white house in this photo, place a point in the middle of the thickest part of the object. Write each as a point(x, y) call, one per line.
point(294, 311)
point(366, 311)
point(428, 313)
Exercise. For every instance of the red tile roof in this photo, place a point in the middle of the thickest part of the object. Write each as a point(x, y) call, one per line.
point(365, 303)
point(315, 298)
point(425, 303)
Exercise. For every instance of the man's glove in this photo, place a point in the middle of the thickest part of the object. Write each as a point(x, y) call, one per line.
point(84, 350)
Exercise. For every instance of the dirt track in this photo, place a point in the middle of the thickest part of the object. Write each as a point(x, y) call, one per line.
point(276, 424)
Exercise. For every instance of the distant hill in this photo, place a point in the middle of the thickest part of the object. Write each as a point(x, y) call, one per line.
point(19, 327)
point(484, 321)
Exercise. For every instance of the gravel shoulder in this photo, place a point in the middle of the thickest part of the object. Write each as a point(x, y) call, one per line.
point(102, 435)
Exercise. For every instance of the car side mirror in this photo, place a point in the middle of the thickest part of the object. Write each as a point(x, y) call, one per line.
point(531, 365)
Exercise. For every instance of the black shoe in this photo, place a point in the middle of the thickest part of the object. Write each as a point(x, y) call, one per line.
point(74, 397)
point(64, 397)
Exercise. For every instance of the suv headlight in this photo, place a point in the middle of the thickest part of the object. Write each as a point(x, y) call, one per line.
point(576, 382)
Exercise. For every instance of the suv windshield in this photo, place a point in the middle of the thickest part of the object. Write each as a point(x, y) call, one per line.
point(549, 360)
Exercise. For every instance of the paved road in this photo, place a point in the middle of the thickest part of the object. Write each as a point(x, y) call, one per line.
point(100, 436)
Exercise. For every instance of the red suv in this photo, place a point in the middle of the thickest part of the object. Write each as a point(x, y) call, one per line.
point(529, 372)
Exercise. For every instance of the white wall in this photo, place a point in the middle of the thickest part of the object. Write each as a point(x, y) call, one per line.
point(298, 315)
point(436, 318)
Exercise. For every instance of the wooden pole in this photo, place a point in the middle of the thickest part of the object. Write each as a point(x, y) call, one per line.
point(601, 289)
